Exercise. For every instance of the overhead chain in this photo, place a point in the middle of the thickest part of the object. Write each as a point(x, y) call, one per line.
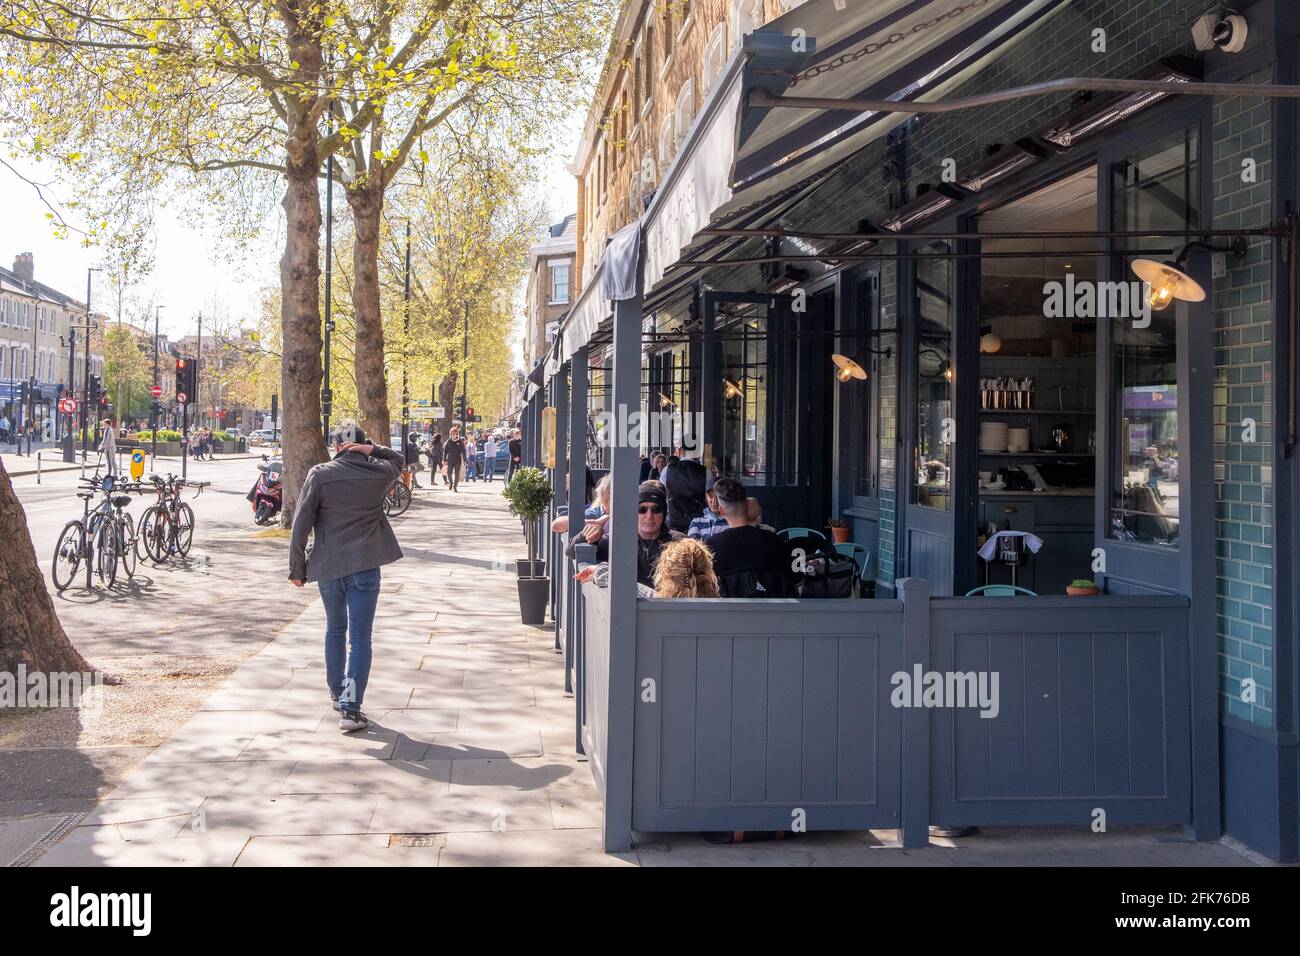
point(877, 45)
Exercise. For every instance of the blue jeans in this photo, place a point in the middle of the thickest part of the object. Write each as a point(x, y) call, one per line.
point(350, 604)
point(490, 468)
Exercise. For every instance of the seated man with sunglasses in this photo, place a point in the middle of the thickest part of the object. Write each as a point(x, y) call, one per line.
point(652, 534)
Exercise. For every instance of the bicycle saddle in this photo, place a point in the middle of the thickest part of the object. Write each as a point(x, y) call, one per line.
point(121, 501)
point(85, 494)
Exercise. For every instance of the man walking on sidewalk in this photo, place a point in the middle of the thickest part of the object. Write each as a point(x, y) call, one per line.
point(342, 502)
point(454, 454)
point(490, 458)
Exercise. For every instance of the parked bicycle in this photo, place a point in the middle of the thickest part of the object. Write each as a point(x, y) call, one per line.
point(167, 526)
point(398, 498)
point(101, 538)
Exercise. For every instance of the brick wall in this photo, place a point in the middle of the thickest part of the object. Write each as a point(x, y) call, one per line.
point(1243, 373)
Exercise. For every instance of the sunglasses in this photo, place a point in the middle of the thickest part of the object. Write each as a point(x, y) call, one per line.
point(649, 510)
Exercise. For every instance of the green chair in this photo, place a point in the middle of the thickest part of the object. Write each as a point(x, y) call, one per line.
point(851, 550)
point(999, 590)
point(790, 533)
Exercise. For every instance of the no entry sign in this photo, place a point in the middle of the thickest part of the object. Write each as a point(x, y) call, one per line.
point(156, 391)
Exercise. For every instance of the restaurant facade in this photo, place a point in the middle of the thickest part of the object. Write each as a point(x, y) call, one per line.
point(1068, 311)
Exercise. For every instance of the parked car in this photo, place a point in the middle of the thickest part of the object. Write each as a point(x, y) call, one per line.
point(263, 436)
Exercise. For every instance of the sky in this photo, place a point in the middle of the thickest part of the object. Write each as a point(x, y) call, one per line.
point(189, 274)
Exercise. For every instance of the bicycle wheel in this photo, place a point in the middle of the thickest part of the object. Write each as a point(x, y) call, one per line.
point(183, 530)
point(145, 535)
point(106, 552)
point(397, 500)
point(67, 554)
point(127, 548)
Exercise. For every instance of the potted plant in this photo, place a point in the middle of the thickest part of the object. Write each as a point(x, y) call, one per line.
point(529, 494)
point(841, 529)
point(1083, 587)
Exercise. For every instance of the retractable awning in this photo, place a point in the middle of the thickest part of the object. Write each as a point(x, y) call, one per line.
point(746, 160)
point(743, 164)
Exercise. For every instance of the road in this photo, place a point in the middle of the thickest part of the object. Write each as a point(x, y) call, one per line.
point(168, 637)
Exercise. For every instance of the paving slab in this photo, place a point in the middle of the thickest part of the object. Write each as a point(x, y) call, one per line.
point(371, 849)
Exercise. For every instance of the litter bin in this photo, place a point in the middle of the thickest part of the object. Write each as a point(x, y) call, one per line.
point(241, 446)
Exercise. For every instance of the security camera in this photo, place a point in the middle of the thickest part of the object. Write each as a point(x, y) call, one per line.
point(1226, 30)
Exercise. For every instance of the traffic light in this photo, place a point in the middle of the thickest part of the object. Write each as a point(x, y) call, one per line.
point(186, 369)
point(460, 407)
point(92, 389)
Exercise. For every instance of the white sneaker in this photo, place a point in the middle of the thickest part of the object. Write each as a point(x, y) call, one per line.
point(350, 721)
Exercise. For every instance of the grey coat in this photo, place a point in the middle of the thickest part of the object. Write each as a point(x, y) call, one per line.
point(342, 501)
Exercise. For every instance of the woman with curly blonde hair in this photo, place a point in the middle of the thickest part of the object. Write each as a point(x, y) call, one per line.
point(685, 570)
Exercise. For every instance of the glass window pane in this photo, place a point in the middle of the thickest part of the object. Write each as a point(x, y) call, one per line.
point(1154, 188)
point(935, 428)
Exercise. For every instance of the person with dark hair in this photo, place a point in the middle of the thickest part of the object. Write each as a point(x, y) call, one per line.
point(434, 454)
point(453, 451)
point(516, 450)
point(684, 483)
point(710, 521)
point(749, 561)
point(413, 458)
point(341, 506)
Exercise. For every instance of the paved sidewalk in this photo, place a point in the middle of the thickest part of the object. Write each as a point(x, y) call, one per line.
point(469, 758)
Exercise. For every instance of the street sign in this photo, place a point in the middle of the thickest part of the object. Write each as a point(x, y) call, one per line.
point(67, 406)
point(182, 398)
point(156, 391)
point(428, 412)
point(137, 463)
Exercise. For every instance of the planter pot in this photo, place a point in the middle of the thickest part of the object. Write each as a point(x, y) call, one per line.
point(1082, 592)
point(533, 594)
point(841, 535)
point(524, 567)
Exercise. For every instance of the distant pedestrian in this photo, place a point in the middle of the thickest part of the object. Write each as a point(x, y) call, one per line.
point(434, 454)
point(453, 451)
point(108, 444)
point(471, 459)
point(516, 455)
point(490, 458)
point(341, 508)
point(413, 458)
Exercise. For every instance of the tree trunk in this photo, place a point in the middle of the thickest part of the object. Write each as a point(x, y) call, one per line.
point(367, 202)
point(447, 399)
point(301, 371)
point(30, 632)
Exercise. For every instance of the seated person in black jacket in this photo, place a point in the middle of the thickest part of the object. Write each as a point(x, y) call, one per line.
point(748, 560)
point(652, 534)
point(684, 483)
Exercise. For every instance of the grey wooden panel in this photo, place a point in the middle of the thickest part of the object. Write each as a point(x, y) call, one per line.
point(1094, 711)
point(929, 556)
point(713, 684)
point(765, 707)
point(595, 675)
point(749, 723)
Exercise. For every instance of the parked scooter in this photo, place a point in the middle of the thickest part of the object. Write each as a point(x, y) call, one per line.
point(267, 494)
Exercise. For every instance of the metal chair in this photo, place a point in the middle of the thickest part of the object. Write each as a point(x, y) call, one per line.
point(999, 590)
point(851, 550)
point(791, 533)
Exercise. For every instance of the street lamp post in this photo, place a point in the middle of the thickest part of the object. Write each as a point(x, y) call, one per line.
point(406, 335)
point(85, 431)
point(153, 408)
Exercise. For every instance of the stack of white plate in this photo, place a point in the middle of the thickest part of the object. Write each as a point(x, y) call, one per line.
point(1018, 439)
point(993, 436)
